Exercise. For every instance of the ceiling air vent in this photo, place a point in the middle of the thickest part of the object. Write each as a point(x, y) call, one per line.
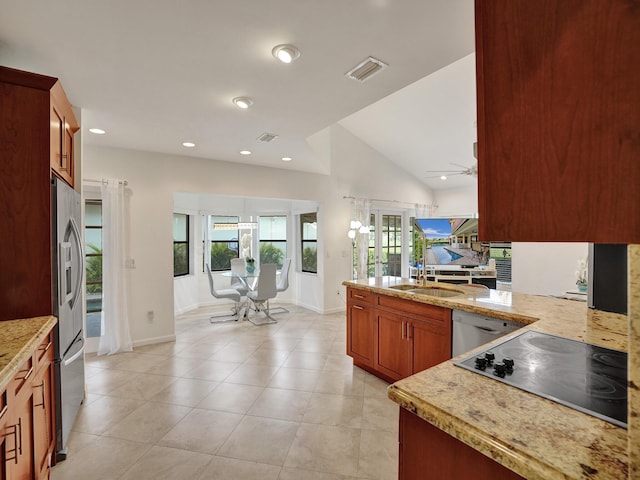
point(365, 70)
point(267, 137)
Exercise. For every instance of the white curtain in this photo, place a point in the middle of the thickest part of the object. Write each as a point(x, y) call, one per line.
point(362, 213)
point(116, 335)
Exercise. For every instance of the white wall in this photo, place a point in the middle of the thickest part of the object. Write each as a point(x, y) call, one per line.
point(545, 268)
point(457, 201)
point(356, 170)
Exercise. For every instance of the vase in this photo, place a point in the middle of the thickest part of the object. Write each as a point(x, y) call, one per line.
point(582, 287)
point(251, 268)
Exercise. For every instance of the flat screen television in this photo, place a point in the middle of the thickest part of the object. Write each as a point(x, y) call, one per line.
point(451, 242)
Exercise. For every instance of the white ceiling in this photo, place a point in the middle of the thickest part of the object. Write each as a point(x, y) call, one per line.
point(156, 73)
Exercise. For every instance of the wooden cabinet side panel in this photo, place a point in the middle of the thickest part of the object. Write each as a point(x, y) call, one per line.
point(558, 111)
point(429, 453)
point(25, 204)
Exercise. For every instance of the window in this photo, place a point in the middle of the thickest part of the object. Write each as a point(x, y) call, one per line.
point(93, 265)
point(223, 242)
point(180, 244)
point(309, 241)
point(273, 240)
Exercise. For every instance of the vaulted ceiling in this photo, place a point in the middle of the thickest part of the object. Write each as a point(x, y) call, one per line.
point(157, 73)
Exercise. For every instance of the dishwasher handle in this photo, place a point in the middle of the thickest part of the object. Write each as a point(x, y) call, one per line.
point(489, 331)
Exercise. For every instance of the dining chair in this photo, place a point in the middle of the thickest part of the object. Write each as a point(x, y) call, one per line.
point(226, 293)
point(283, 284)
point(265, 291)
point(239, 267)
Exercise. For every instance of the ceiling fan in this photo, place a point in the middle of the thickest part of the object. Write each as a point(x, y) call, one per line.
point(470, 171)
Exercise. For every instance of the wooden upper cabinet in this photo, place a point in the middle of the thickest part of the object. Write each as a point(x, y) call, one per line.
point(27, 140)
point(558, 120)
point(63, 127)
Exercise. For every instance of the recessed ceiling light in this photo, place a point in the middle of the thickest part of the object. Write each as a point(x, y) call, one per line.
point(188, 144)
point(97, 131)
point(286, 159)
point(443, 177)
point(245, 152)
point(285, 53)
point(242, 102)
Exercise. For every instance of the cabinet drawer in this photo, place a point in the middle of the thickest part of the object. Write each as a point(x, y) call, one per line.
point(360, 296)
point(416, 310)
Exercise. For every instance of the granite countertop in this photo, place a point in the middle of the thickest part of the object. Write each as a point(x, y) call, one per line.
point(18, 339)
point(533, 436)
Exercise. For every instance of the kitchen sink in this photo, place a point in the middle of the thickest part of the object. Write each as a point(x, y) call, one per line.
point(430, 291)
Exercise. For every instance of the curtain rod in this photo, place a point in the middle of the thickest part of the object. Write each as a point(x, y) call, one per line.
point(427, 205)
point(104, 181)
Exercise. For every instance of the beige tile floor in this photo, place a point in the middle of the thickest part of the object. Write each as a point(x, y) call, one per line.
point(235, 401)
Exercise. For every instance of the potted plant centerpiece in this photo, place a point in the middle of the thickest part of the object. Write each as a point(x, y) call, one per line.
point(251, 264)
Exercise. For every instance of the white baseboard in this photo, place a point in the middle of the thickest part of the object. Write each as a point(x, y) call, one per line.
point(154, 340)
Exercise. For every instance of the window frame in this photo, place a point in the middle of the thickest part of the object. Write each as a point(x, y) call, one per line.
point(208, 242)
point(265, 241)
point(304, 266)
point(186, 243)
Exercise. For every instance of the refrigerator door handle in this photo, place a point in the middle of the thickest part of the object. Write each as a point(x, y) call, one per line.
point(78, 239)
point(75, 356)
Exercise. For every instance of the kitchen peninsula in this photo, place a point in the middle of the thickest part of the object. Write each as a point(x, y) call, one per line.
point(534, 437)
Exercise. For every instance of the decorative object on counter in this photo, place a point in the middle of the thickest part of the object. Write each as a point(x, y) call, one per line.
point(582, 274)
point(251, 264)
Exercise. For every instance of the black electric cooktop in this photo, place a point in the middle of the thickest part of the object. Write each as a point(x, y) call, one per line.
point(586, 377)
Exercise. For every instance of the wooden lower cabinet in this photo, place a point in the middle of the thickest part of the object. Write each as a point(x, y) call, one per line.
point(394, 338)
point(27, 427)
point(360, 334)
point(393, 352)
point(427, 452)
point(19, 443)
point(44, 435)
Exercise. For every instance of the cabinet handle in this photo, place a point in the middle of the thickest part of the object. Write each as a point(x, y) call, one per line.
point(27, 375)
point(358, 296)
point(46, 347)
point(358, 307)
point(40, 404)
point(4, 411)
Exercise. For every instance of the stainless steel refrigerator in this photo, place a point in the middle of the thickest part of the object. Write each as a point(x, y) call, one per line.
point(68, 270)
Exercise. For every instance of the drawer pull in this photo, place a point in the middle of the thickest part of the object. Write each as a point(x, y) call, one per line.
point(40, 404)
point(4, 411)
point(46, 347)
point(26, 375)
point(358, 307)
point(355, 295)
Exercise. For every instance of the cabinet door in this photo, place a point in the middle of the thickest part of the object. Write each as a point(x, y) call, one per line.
point(61, 144)
point(392, 352)
point(430, 345)
point(19, 441)
point(43, 426)
point(558, 104)
point(360, 337)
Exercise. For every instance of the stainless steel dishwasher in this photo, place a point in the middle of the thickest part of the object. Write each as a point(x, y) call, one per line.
point(470, 330)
